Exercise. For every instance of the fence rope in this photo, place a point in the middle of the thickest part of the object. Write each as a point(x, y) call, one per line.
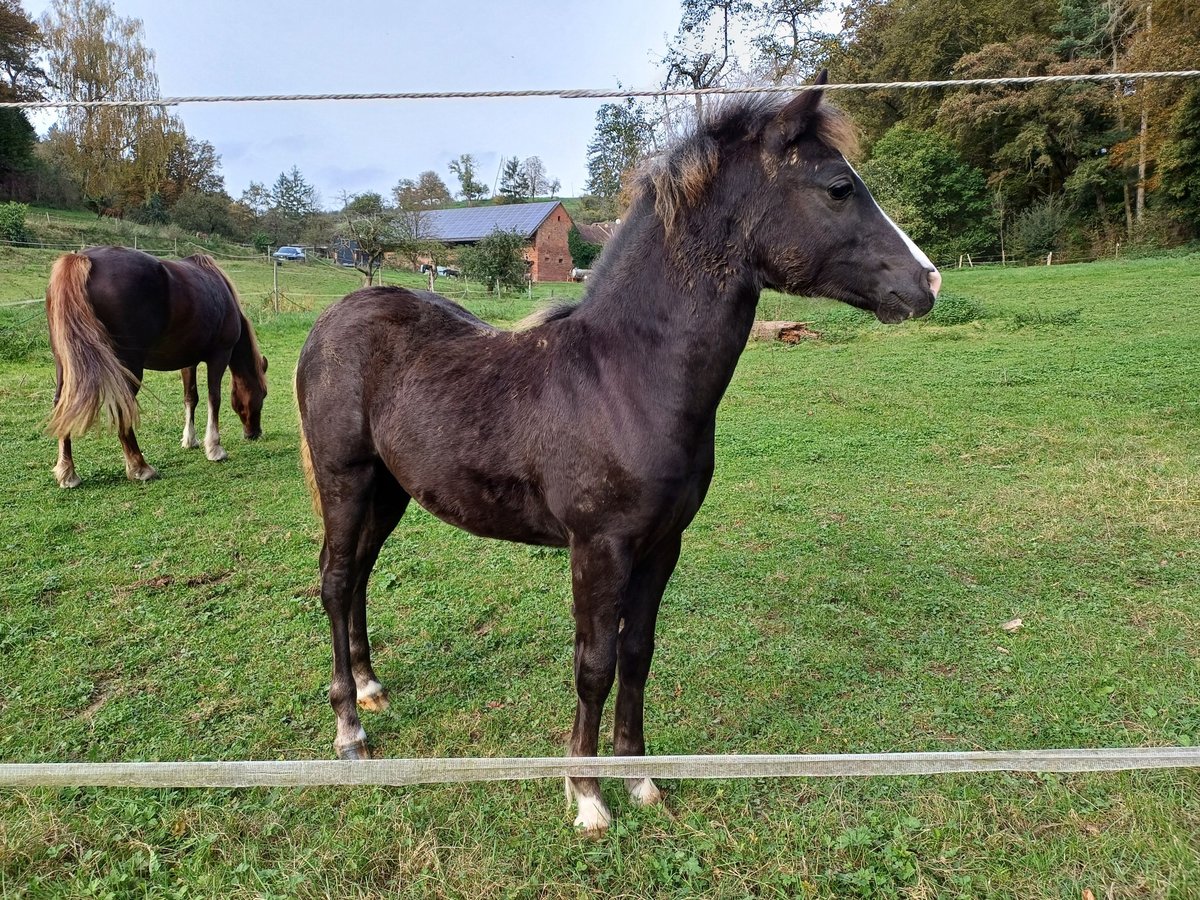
point(316, 773)
point(612, 93)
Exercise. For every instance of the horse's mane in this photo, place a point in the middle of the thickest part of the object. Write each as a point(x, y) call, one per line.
point(679, 177)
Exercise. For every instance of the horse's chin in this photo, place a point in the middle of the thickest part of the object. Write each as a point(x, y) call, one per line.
point(894, 309)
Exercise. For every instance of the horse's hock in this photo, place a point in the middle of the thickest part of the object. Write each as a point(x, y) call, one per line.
point(788, 332)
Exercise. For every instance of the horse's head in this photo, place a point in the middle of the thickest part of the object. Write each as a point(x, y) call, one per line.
point(249, 392)
point(823, 233)
point(805, 221)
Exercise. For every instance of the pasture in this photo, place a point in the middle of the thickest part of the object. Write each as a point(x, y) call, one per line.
point(885, 498)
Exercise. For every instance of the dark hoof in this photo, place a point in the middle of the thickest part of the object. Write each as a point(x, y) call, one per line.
point(357, 750)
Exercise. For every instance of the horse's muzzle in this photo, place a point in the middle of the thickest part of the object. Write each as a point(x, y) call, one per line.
point(895, 309)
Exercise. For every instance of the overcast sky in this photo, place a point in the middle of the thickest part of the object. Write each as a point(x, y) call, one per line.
point(302, 46)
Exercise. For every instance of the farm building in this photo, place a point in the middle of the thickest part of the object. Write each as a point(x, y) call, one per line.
point(544, 225)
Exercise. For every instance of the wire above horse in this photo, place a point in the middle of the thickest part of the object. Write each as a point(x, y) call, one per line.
point(114, 312)
point(593, 430)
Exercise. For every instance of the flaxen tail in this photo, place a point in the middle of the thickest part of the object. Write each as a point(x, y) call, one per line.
point(306, 462)
point(94, 383)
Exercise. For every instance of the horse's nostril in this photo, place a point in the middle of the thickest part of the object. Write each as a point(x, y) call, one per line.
point(935, 281)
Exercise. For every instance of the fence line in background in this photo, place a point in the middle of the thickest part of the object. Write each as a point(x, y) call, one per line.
point(313, 773)
point(613, 93)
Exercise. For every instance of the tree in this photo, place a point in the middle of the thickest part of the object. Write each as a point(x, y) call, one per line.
point(537, 182)
point(367, 223)
point(701, 55)
point(20, 42)
point(428, 191)
point(368, 203)
point(206, 213)
point(785, 39)
point(623, 138)
point(293, 201)
point(192, 166)
point(463, 169)
point(1179, 163)
point(498, 258)
point(118, 153)
point(514, 187)
point(941, 202)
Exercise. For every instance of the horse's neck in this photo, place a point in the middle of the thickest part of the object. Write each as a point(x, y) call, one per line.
point(671, 319)
point(243, 361)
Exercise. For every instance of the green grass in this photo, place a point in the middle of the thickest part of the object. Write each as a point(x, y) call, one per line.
point(885, 498)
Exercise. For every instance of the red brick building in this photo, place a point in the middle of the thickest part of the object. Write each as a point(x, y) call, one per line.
point(543, 225)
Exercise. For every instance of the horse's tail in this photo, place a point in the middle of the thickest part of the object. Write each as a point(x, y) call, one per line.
point(93, 379)
point(306, 462)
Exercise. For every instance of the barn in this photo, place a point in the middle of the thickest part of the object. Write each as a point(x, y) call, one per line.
point(543, 225)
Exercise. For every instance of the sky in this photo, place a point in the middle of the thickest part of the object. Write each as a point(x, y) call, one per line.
point(302, 46)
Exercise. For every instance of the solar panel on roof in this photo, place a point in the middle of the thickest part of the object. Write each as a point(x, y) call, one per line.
point(476, 222)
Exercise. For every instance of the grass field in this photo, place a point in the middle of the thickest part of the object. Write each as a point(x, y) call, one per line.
point(885, 499)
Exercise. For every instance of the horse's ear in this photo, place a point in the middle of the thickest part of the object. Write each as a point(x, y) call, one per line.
point(793, 120)
point(264, 359)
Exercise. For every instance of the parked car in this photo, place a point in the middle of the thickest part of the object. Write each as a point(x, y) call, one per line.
point(293, 253)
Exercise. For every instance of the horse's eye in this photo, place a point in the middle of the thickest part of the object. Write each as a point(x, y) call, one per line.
point(841, 190)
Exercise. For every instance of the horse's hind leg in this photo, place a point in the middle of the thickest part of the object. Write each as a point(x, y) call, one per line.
point(212, 432)
point(635, 648)
point(191, 398)
point(136, 467)
point(386, 505)
point(358, 517)
point(64, 469)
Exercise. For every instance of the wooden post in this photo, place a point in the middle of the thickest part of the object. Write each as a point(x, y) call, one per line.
point(1049, 257)
point(960, 260)
point(969, 263)
point(275, 288)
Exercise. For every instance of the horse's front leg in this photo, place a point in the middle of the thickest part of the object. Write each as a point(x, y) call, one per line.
point(191, 398)
point(599, 574)
point(635, 648)
point(212, 432)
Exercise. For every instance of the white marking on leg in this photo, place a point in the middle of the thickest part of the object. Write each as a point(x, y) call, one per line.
point(189, 430)
point(372, 696)
point(349, 737)
point(64, 471)
point(593, 816)
point(212, 437)
point(645, 792)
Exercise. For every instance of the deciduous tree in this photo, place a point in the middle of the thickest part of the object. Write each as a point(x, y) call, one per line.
point(469, 188)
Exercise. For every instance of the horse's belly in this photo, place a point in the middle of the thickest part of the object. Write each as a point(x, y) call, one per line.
point(508, 510)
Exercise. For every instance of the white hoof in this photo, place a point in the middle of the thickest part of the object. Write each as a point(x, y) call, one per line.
point(216, 453)
point(644, 792)
point(594, 817)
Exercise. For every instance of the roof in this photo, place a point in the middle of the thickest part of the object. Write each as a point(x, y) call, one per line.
point(597, 232)
point(475, 222)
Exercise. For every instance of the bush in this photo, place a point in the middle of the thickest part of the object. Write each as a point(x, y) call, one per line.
point(1035, 232)
point(12, 222)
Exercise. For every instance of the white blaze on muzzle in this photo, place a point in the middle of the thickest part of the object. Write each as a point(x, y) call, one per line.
point(935, 277)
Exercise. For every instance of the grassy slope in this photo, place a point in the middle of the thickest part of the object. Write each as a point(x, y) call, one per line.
point(885, 498)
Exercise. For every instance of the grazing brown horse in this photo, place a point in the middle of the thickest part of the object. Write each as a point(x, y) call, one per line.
point(594, 429)
point(113, 313)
